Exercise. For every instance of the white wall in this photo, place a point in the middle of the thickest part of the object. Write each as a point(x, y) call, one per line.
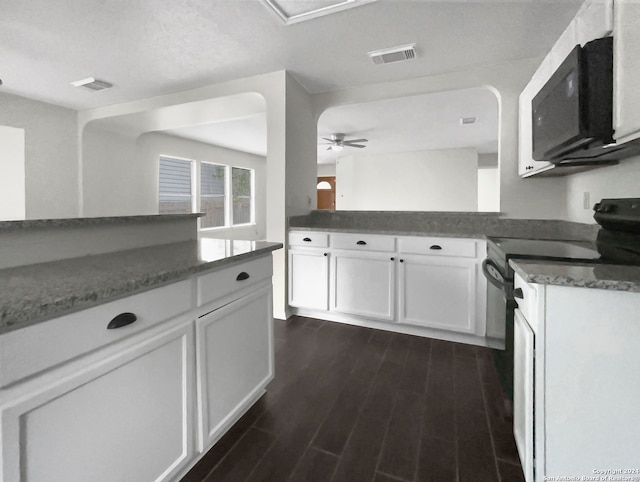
point(152, 145)
point(326, 170)
point(114, 179)
point(488, 189)
point(51, 155)
point(437, 180)
point(622, 180)
point(538, 198)
point(301, 148)
point(12, 183)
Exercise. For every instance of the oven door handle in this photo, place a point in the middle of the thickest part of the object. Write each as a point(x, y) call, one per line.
point(494, 281)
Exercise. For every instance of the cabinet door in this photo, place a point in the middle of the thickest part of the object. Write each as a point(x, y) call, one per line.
point(127, 417)
point(309, 279)
point(438, 292)
point(523, 379)
point(234, 361)
point(626, 70)
point(363, 284)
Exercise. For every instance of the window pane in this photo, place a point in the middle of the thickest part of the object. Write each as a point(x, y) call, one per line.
point(211, 179)
point(242, 195)
point(174, 186)
point(241, 210)
point(212, 195)
point(213, 207)
point(241, 182)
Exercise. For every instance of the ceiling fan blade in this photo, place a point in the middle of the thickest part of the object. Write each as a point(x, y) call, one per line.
point(348, 144)
point(330, 140)
point(347, 141)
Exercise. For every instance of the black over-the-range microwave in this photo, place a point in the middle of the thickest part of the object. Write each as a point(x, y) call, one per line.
point(572, 114)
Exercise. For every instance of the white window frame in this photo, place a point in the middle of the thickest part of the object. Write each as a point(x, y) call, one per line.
point(196, 172)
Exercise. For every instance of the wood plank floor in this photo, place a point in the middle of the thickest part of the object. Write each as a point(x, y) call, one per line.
point(359, 405)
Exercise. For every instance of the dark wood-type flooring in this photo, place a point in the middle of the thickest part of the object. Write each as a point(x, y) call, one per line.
point(361, 405)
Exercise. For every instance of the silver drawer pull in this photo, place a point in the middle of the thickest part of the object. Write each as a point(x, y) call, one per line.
point(361, 243)
point(307, 240)
point(435, 246)
point(242, 276)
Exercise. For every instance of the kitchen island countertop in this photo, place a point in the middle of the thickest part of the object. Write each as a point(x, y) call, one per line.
point(43, 291)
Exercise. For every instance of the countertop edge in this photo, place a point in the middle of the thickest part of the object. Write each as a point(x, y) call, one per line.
point(579, 275)
point(394, 232)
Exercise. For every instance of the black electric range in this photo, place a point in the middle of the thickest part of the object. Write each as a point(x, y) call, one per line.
point(617, 242)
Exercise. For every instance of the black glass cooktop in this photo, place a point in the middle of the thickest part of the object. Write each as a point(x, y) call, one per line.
point(547, 249)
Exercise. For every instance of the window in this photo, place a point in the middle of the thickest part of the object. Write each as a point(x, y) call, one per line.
point(242, 187)
point(223, 193)
point(175, 186)
point(212, 195)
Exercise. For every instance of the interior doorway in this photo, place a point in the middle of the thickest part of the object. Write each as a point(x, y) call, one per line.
point(327, 193)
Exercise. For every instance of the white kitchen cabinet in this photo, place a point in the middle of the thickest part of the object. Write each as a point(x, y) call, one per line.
point(309, 278)
point(363, 283)
point(421, 285)
point(234, 361)
point(580, 416)
point(80, 402)
point(626, 70)
point(124, 417)
point(593, 20)
point(438, 292)
point(523, 391)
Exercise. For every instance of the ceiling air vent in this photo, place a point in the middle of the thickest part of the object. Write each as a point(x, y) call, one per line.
point(92, 84)
point(394, 54)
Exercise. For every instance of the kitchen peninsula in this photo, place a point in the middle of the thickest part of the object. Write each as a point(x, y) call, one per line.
point(102, 318)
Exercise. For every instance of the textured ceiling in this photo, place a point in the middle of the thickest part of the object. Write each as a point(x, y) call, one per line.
point(416, 123)
point(152, 47)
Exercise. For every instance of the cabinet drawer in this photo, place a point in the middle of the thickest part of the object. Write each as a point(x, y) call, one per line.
point(466, 248)
point(527, 300)
point(223, 282)
point(36, 348)
point(311, 239)
point(363, 242)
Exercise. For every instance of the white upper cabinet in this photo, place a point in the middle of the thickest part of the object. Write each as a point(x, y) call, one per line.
point(626, 70)
point(593, 20)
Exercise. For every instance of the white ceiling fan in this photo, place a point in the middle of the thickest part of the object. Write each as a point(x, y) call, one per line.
point(337, 142)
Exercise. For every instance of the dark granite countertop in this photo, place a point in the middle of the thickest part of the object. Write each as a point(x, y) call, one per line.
point(42, 291)
point(441, 224)
point(581, 275)
point(83, 222)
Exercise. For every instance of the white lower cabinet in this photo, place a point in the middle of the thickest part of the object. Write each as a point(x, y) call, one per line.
point(363, 284)
point(422, 285)
point(127, 417)
point(129, 404)
point(523, 383)
point(438, 292)
point(575, 396)
point(234, 361)
point(309, 279)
